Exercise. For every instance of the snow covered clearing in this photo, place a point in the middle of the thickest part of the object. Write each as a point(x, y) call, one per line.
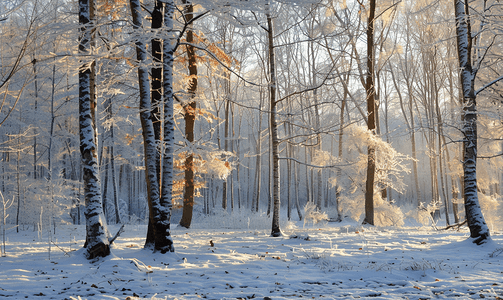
point(330, 260)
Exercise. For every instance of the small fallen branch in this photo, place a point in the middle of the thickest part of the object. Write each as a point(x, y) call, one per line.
point(121, 230)
point(62, 250)
point(455, 225)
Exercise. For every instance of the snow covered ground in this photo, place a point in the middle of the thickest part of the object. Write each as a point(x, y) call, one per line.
point(330, 260)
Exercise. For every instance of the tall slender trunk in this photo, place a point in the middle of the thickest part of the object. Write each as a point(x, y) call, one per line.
point(414, 154)
point(371, 121)
point(164, 242)
point(453, 105)
point(479, 232)
point(35, 82)
point(441, 159)
point(96, 232)
point(258, 164)
point(105, 184)
point(231, 177)
point(275, 232)
point(112, 167)
point(296, 181)
point(189, 117)
point(156, 209)
point(18, 181)
point(148, 132)
point(319, 182)
point(156, 77)
point(226, 145)
point(49, 150)
point(156, 98)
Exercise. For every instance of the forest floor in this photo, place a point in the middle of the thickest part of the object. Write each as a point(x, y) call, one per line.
point(330, 260)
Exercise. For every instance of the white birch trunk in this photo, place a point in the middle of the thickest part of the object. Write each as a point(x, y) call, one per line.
point(149, 142)
point(96, 231)
point(479, 232)
point(162, 217)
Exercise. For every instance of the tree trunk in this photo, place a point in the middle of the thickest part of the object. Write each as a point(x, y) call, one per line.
point(114, 182)
point(149, 144)
point(156, 97)
point(479, 232)
point(35, 82)
point(258, 164)
point(189, 117)
point(275, 232)
point(96, 232)
point(371, 121)
point(226, 134)
point(162, 217)
point(105, 186)
point(148, 132)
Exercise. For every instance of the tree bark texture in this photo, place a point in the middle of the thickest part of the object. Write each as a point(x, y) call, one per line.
point(96, 231)
point(149, 141)
point(189, 117)
point(479, 231)
point(162, 210)
point(371, 121)
point(276, 231)
point(156, 97)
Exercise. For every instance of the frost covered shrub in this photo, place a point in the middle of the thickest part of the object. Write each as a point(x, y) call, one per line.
point(313, 215)
point(423, 214)
point(386, 214)
point(352, 206)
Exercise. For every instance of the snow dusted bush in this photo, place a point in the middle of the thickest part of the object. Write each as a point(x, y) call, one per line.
point(423, 214)
point(352, 206)
point(313, 215)
point(386, 214)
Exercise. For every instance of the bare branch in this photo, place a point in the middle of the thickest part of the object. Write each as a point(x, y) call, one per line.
point(488, 85)
point(222, 63)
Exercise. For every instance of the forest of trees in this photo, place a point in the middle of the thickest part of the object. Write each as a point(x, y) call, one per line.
point(116, 111)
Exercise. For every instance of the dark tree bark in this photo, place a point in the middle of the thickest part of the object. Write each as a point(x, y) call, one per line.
point(156, 95)
point(189, 117)
point(371, 121)
point(157, 217)
point(162, 210)
point(276, 231)
point(96, 232)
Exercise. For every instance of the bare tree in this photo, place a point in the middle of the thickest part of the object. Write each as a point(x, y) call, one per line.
point(190, 117)
point(469, 49)
point(96, 233)
point(158, 213)
point(371, 118)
